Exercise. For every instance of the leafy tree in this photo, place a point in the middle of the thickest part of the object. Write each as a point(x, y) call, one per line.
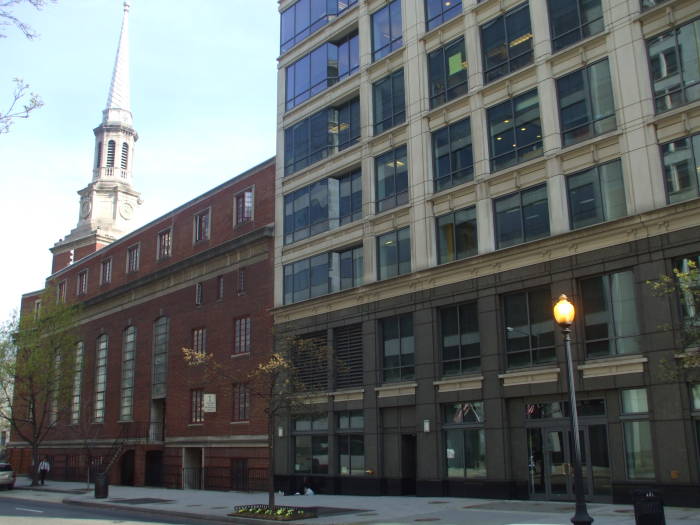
point(23, 101)
point(37, 356)
point(685, 285)
point(286, 383)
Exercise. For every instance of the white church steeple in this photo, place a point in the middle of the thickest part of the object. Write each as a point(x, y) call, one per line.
point(108, 203)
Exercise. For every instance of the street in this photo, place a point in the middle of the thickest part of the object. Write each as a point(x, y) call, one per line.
point(22, 511)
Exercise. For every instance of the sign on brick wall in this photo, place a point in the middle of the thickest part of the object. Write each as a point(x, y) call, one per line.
point(209, 402)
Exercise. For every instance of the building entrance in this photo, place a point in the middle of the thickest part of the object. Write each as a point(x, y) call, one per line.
point(551, 459)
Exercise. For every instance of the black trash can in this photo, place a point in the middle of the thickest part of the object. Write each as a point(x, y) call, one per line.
point(648, 508)
point(101, 485)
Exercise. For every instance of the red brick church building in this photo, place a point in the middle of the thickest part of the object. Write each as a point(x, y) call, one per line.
point(198, 277)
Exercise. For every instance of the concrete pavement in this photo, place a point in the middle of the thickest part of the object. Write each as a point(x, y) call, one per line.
point(341, 510)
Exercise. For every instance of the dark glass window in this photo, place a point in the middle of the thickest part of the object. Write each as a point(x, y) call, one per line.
point(456, 235)
point(515, 132)
point(465, 442)
point(648, 4)
point(388, 102)
point(347, 346)
point(386, 30)
point(453, 162)
point(596, 195)
point(391, 172)
point(609, 304)
point(459, 336)
point(506, 43)
point(440, 11)
point(320, 69)
point(311, 454)
point(586, 105)
point(573, 20)
point(306, 17)
point(322, 206)
point(398, 348)
point(529, 329)
point(681, 160)
point(521, 217)
point(394, 253)
point(351, 443)
point(323, 274)
point(320, 135)
point(674, 57)
point(447, 73)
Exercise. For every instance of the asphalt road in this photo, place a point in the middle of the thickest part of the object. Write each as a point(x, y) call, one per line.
point(16, 511)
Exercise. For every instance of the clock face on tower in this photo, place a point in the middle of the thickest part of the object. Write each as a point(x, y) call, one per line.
point(126, 210)
point(85, 209)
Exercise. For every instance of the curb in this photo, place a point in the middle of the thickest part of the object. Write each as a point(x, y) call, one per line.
point(174, 513)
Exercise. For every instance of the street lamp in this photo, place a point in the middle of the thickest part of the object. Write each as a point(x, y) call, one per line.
point(564, 313)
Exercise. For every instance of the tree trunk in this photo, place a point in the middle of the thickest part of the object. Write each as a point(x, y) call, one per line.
point(35, 464)
point(271, 462)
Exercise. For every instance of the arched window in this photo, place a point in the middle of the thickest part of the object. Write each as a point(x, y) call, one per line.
point(100, 378)
point(161, 329)
point(125, 155)
point(98, 155)
point(126, 410)
point(110, 153)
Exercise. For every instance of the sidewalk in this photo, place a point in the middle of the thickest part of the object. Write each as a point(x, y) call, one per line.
point(341, 510)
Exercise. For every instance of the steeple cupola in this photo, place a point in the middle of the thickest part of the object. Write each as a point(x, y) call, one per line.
point(109, 202)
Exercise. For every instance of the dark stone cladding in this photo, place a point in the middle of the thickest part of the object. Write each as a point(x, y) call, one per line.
point(266, 232)
point(652, 249)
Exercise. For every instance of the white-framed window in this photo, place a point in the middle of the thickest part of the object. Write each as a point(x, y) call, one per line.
point(61, 292)
point(100, 378)
point(82, 282)
point(220, 287)
point(164, 244)
point(106, 271)
point(77, 383)
point(132, 258)
point(198, 293)
point(199, 340)
point(244, 206)
point(241, 343)
point(639, 450)
point(126, 404)
point(201, 225)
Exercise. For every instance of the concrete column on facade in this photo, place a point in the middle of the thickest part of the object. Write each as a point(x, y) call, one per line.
point(627, 47)
point(539, 21)
point(556, 195)
point(472, 44)
point(549, 110)
point(484, 220)
point(371, 411)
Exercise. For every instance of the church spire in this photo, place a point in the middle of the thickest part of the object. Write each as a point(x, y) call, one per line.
point(119, 99)
point(109, 202)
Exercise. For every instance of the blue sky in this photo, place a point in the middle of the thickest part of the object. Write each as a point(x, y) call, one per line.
point(203, 96)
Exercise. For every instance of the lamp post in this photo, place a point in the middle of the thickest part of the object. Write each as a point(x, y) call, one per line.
point(564, 316)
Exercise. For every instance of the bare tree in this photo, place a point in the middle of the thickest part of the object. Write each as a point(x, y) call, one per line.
point(37, 356)
point(22, 101)
point(289, 382)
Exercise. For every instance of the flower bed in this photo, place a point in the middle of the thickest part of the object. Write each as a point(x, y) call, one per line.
point(277, 513)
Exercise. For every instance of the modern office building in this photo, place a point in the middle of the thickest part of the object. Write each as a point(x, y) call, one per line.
point(445, 170)
point(197, 277)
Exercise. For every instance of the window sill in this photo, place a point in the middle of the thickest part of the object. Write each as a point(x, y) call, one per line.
point(613, 366)
point(438, 32)
point(392, 132)
point(192, 425)
point(242, 422)
point(530, 376)
point(349, 395)
point(586, 144)
point(674, 113)
point(493, 86)
point(336, 158)
point(385, 62)
point(459, 383)
point(240, 355)
point(399, 389)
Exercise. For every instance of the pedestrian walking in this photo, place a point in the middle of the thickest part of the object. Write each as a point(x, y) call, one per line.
point(44, 468)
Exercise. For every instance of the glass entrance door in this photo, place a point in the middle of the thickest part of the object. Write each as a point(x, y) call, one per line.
point(550, 462)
